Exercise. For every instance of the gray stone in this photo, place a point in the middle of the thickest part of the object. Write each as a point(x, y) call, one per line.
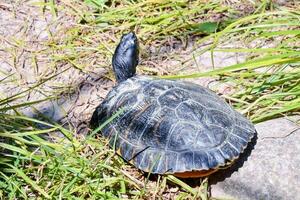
point(268, 169)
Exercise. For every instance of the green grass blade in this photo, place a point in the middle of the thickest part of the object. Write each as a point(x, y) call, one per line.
point(29, 181)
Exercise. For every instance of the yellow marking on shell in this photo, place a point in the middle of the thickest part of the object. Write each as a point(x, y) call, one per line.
point(195, 174)
point(202, 173)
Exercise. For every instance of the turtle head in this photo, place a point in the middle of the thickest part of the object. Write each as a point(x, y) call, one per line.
point(126, 57)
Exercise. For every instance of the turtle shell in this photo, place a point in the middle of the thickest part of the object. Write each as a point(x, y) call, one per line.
point(168, 127)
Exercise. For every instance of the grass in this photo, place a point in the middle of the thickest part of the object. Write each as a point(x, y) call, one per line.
point(65, 168)
point(36, 163)
point(274, 90)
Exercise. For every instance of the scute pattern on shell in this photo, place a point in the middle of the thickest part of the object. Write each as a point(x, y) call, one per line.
point(172, 126)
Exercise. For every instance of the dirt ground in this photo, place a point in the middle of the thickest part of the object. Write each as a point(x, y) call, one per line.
point(26, 31)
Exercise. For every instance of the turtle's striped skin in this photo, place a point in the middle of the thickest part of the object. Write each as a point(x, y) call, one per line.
point(172, 126)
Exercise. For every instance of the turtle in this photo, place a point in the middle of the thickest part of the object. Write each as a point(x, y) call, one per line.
point(167, 126)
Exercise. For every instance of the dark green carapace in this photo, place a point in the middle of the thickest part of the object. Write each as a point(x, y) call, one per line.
point(169, 126)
